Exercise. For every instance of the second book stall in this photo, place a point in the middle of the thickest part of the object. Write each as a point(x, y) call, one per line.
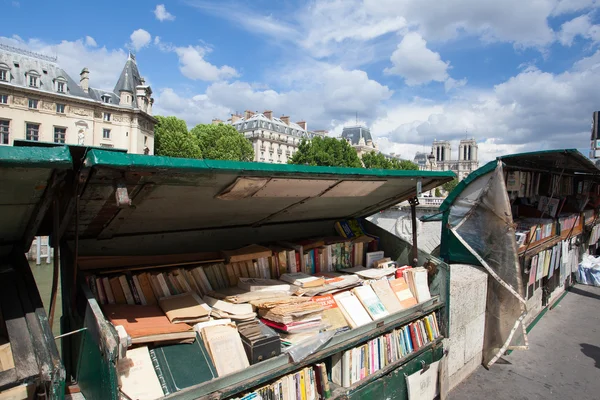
point(154, 225)
point(527, 219)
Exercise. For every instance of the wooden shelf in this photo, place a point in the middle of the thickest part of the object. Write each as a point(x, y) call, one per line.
point(539, 246)
point(271, 369)
point(338, 391)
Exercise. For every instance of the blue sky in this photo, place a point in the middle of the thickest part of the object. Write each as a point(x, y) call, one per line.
point(515, 75)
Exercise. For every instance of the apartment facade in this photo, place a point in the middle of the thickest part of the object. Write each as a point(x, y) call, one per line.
point(39, 101)
point(275, 140)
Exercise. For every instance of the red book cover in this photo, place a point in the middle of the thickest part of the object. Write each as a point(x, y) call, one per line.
point(317, 259)
point(298, 265)
point(414, 336)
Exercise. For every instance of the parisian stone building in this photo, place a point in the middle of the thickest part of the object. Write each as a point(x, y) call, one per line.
point(39, 101)
point(274, 139)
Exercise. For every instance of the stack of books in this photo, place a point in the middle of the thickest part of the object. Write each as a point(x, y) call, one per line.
point(530, 230)
point(351, 366)
point(567, 222)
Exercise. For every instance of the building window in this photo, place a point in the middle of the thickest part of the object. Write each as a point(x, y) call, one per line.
point(106, 133)
point(106, 99)
point(33, 81)
point(60, 87)
point(32, 132)
point(60, 108)
point(107, 117)
point(59, 134)
point(4, 131)
point(3, 99)
point(3, 75)
point(145, 140)
point(33, 103)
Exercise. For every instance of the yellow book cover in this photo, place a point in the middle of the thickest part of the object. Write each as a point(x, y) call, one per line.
point(428, 329)
point(303, 385)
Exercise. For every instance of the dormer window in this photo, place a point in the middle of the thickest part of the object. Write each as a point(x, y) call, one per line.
point(60, 84)
point(33, 81)
point(105, 98)
point(4, 72)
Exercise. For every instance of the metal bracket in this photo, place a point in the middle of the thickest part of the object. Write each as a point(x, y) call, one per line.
point(414, 201)
point(424, 366)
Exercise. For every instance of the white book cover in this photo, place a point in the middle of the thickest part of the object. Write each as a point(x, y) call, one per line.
point(301, 279)
point(229, 308)
point(336, 369)
point(137, 377)
point(126, 290)
point(370, 301)
point(372, 257)
point(352, 309)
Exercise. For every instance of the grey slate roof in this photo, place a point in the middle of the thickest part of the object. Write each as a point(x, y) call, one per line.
point(259, 121)
point(354, 133)
point(20, 63)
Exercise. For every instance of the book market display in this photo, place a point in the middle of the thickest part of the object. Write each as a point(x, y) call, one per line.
point(526, 219)
point(257, 302)
point(211, 279)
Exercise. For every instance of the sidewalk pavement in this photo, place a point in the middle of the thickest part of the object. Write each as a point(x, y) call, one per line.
point(563, 360)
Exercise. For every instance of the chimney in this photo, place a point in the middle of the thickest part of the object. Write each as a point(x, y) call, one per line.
point(285, 119)
point(302, 124)
point(268, 114)
point(216, 121)
point(235, 118)
point(84, 79)
point(248, 114)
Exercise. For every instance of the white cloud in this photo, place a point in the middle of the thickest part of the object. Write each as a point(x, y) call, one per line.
point(89, 41)
point(578, 26)
point(161, 13)
point(571, 6)
point(104, 65)
point(140, 39)
point(193, 65)
point(416, 63)
point(332, 93)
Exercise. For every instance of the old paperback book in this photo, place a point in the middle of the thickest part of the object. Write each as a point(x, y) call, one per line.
point(226, 349)
point(184, 308)
point(137, 378)
point(332, 314)
point(370, 301)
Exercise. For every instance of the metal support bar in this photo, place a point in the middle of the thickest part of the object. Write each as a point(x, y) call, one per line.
point(55, 241)
point(414, 202)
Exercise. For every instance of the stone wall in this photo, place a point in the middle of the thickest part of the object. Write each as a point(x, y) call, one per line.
point(468, 294)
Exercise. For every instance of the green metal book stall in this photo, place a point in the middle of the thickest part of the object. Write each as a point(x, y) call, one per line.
point(527, 219)
point(29, 181)
point(120, 206)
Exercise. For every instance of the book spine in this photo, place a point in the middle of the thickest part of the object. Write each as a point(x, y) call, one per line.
point(101, 292)
point(108, 290)
point(159, 373)
point(126, 290)
point(325, 382)
point(163, 284)
point(140, 293)
point(136, 297)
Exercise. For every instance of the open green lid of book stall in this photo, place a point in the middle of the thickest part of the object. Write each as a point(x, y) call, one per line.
point(29, 361)
point(135, 213)
point(508, 212)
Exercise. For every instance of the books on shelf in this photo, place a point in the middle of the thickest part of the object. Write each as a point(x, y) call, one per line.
point(172, 365)
point(370, 302)
point(352, 309)
point(263, 285)
point(388, 298)
point(136, 375)
point(225, 347)
point(332, 315)
point(353, 365)
point(403, 292)
point(146, 324)
point(184, 308)
point(302, 280)
point(417, 281)
point(309, 383)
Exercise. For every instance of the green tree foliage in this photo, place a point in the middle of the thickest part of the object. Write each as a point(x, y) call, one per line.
point(449, 186)
point(171, 138)
point(222, 142)
point(437, 192)
point(378, 160)
point(326, 151)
